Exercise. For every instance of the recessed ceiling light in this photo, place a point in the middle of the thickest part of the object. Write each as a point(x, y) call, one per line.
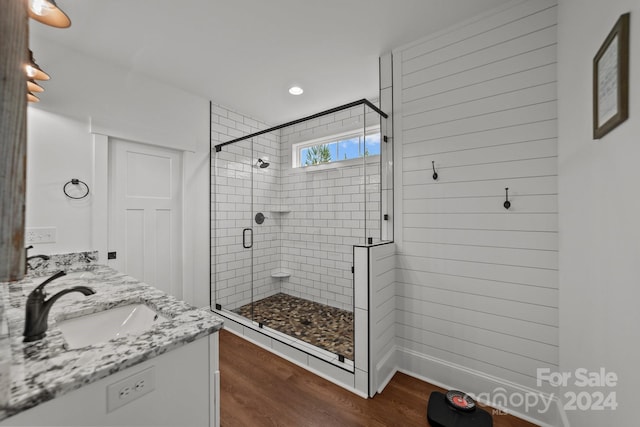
point(295, 90)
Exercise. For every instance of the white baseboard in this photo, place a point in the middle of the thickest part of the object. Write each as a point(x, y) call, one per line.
point(386, 368)
point(489, 390)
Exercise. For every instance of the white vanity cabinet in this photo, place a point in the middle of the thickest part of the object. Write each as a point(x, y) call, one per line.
point(186, 392)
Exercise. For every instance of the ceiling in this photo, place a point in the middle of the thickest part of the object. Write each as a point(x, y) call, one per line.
point(245, 54)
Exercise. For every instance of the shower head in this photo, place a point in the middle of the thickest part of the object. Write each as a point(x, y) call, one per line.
point(262, 164)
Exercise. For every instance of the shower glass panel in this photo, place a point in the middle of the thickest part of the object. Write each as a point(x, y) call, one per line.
point(372, 171)
point(232, 234)
point(265, 226)
point(288, 206)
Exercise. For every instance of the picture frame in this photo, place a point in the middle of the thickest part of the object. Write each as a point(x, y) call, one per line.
point(611, 80)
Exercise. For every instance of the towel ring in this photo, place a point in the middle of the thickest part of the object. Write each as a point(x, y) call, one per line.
point(75, 181)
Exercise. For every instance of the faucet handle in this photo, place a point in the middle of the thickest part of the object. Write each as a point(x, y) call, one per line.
point(41, 286)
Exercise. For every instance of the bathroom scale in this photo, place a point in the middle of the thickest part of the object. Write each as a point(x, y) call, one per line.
point(456, 409)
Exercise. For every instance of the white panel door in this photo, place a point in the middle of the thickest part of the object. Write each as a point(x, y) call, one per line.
point(145, 220)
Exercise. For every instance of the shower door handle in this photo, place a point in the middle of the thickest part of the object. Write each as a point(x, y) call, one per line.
point(244, 238)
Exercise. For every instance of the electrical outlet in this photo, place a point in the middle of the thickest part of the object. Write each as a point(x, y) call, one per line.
point(124, 392)
point(34, 235)
point(129, 389)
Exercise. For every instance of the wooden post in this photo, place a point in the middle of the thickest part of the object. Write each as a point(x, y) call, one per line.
point(13, 137)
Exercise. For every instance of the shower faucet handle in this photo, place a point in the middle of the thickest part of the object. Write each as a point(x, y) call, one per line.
point(260, 218)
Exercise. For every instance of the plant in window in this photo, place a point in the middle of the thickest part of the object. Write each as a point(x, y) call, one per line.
point(318, 154)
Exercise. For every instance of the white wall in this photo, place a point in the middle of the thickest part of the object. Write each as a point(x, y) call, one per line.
point(58, 148)
point(599, 205)
point(477, 285)
point(86, 95)
point(121, 102)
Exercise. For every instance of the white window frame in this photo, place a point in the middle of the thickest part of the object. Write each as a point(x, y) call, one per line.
point(296, 161)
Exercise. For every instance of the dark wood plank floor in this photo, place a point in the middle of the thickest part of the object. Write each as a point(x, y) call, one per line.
point(260, 389)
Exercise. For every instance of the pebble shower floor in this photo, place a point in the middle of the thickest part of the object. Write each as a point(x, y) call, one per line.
point(326, 327)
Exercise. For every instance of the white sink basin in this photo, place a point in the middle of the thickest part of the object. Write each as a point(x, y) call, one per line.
point(109, 324)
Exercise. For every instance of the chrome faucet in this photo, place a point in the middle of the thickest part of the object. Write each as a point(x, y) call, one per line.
point(37, 309)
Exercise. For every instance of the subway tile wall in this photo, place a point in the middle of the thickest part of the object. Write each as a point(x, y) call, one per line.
point(331, 209)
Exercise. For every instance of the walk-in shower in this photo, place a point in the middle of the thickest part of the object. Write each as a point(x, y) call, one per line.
point(288, 206)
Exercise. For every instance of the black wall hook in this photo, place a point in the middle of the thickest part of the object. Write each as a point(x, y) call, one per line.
point(507, 203)
point(435, 174)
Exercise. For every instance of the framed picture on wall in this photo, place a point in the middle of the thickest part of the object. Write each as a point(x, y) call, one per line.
point(611, 80)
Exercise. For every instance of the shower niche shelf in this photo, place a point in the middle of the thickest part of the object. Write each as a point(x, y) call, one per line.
point(280, 274)
point(280, 210)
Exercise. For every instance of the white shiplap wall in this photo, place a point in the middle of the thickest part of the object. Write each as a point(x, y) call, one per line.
point(477, 285)
point(382, 303)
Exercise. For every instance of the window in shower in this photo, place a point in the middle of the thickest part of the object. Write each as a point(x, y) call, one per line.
point(337, 148)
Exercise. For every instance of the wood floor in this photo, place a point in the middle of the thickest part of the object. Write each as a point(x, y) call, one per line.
point(260, 389)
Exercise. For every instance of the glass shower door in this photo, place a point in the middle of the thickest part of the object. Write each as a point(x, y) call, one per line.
point(232, 228)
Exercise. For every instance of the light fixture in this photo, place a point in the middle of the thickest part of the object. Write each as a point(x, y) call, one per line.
point(32, 98)
point(48, 12)
point(33, 70)
point(32, 86)
point(295, 90)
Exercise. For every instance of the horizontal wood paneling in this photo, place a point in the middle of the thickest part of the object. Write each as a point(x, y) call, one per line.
point(497, 238)
point(494, 187)
point(537, 39)
point(460, 346)
point(533, 94)
point(382, 296)
point(495, 119)
point(487, 254)
point(509, 83)
point(512, 344)
point(531, 61)
point(545, 166)
point(545, 278)
point(518, 14)
point(469, 360)
point(505, 135)
point(547, 334)
point(520, 203)
point(502, 221)
point(507, 291)
point(477, 284)
point(512, 310)
point(541, 148)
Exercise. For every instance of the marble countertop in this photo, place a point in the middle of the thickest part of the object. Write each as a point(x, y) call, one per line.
point(45, 369)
